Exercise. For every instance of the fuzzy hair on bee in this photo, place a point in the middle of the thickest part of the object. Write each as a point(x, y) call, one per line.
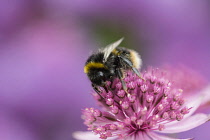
point(110, 63)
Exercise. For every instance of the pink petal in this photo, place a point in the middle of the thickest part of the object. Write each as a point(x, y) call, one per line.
point(206, 93)
point(154, 136)
point(87, 135)
point(186, 124)
point(194, 102)
point(139, 136)
point(145, 137)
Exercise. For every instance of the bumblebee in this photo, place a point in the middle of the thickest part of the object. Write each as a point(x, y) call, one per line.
point(110, 63)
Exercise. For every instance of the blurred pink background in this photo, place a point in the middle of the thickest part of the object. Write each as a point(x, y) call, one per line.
point(45, 43)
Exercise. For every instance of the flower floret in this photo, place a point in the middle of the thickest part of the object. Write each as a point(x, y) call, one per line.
point(150, 103)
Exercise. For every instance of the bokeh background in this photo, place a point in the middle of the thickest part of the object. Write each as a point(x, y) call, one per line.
point(45, 43)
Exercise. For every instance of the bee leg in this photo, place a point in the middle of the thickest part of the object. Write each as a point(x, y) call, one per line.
point(96, 88)
point(129, 63)
point(110, 87)
point(124, 85)
point(120, 76)
point(106, 88)
point(137, 73)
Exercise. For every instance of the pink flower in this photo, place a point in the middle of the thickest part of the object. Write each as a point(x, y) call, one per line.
point(155, 104)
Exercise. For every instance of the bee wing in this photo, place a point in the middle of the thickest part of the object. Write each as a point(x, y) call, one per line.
point(109, 48)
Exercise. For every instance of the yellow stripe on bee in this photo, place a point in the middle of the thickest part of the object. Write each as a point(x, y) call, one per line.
point(93, 65)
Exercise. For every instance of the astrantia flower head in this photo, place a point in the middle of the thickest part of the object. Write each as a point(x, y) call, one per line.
point(150, 104)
